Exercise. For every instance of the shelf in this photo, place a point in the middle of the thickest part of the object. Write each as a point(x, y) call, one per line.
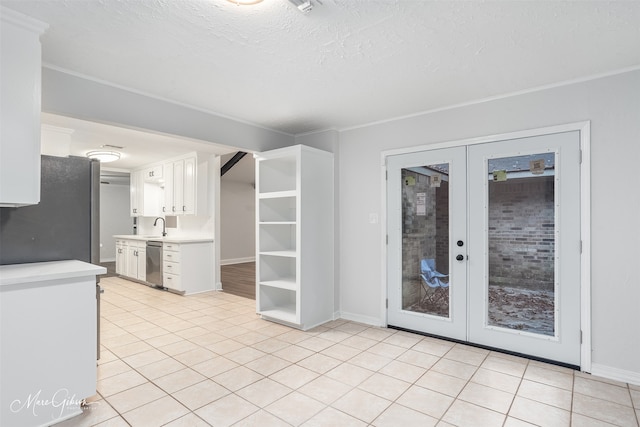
point(277, 174)
point(284, 283)
point(288, 254)
point(277, 223)
point(278, 194)
point(285, 314)
point(277, 209)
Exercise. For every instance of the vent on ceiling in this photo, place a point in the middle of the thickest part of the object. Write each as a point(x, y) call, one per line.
point(304, 6)
point(117, 147)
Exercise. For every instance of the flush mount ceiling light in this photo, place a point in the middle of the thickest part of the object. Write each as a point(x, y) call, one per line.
point(244, 2)
point(104, 156)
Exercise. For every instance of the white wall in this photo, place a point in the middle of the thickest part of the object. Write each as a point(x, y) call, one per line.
point(612, 104)
point(238, 217)
point(114, 218)
point(238, 212)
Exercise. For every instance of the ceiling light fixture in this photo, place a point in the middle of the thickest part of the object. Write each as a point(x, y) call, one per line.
point(244, 2)
point(104, 156)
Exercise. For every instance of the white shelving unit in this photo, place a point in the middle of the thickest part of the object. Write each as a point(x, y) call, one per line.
point(294, 236)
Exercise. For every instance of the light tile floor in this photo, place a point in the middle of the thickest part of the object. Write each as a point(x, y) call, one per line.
point(208, 359)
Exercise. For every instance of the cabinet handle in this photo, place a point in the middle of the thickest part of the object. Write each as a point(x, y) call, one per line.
point(173, 208)
point(184, 208)
point(168, 266)
point(163, 209)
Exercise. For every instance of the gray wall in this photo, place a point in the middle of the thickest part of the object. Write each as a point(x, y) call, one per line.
point(78, 97)
point(613, 106)
point(114, 218)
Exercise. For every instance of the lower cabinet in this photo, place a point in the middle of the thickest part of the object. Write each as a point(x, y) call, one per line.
point(188, 268)
point(131, 259)
point(137, 260)
point(121, 257)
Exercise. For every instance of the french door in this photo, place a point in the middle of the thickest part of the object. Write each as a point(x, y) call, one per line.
point(484, 244)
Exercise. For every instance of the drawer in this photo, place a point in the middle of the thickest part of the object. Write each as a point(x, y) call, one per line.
point(172, 281)
point(171, 247)
point(171, 256)
point(171, 267)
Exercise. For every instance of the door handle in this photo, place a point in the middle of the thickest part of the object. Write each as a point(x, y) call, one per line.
point(460, 257)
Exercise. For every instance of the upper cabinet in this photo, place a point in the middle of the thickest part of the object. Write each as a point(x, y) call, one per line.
point(178, 186)
point(20, 85)
point(137, 193)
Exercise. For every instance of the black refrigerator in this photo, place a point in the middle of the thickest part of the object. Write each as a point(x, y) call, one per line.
point(64, 225)
point(66, 222)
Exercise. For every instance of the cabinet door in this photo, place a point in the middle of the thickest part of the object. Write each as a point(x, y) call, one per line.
point(132, 261)
point(189, 187)
point(153, 174)
point(121, 258)
point(178, 186)
point(167, 172)
point(137, 193)
point(20, 82)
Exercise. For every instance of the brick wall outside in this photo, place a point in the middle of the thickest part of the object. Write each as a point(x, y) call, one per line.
point(420, 234)
point(521, 233)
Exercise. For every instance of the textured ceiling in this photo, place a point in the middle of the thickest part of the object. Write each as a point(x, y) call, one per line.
point(345, 64)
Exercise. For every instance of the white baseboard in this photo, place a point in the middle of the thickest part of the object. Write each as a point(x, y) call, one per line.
point(622, 375)
point(237, 260)
point(218, 286)
point(107, 260)
point(367, 320)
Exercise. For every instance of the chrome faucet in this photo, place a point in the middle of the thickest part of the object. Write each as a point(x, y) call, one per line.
point(164, 230)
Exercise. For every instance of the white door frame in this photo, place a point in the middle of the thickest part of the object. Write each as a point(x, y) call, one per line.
point(585, 216)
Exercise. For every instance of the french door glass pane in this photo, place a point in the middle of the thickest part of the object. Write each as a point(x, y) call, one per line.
point(425, 239)
point(521, 243)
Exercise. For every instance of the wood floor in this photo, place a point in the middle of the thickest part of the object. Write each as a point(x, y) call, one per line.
point(239, 279)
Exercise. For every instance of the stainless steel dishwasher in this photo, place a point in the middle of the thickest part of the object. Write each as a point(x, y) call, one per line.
point(154, 263)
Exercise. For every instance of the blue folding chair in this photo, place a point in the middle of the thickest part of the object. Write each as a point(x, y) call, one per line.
point(432, 281)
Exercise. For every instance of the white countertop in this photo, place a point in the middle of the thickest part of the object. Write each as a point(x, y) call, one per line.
point(168, 239)
point(14, 274)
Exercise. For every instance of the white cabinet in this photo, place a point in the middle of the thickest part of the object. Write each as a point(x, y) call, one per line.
point(20, 85)
point(137, 193)
point(176, 187)
point(188, 268)
point(121, 257)
point(136, 260)
point(131, 259)
point(180, 184)
point(48, 316)
point(294, 236)
point(146, 193)
point(153, 173)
